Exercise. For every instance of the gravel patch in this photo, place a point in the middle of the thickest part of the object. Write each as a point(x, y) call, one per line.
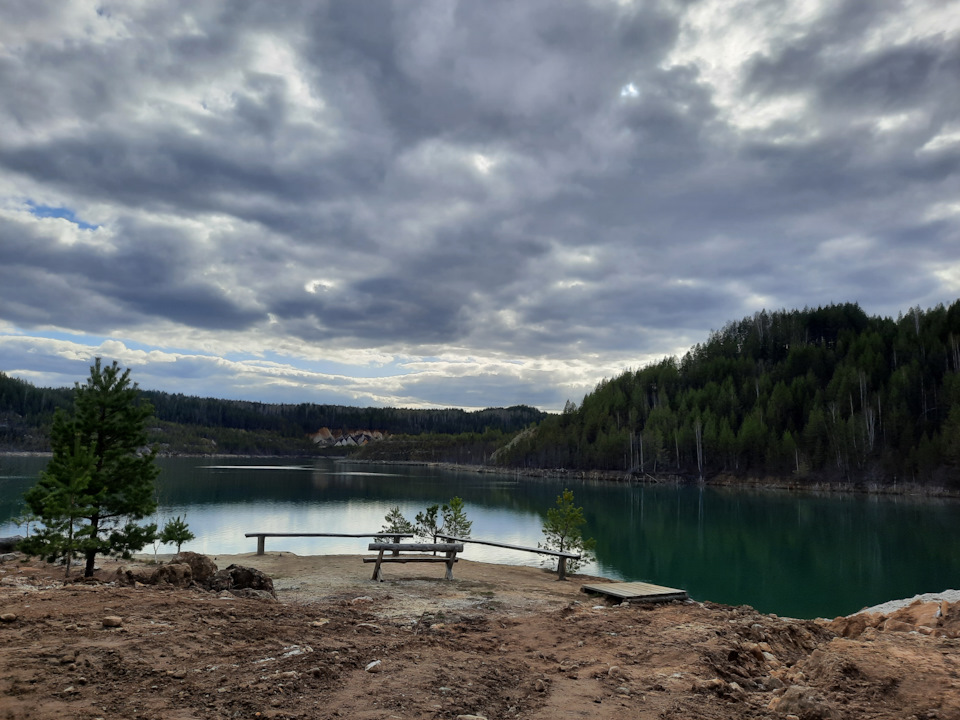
point(886, 608)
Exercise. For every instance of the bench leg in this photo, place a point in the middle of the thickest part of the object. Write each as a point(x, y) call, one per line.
point(377, 575)
point(261, 541)
point(449, 563)
point(562, 569)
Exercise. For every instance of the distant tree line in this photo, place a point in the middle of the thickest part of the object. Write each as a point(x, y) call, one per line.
point(826, 393)
point(305, 418)
point(26, 413)
point(185, 424)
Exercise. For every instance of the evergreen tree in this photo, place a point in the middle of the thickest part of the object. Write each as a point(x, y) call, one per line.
point(395, 522)
point(455, 519)
point(428, 524)
point(176, 532)
point(61, 499)
point(98, 454)
point(563, 529)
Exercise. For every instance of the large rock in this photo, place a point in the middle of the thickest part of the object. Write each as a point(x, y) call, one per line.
point(238, 577)
point(177, 574)
point(132, 574)
point(202, 567)
point(852, 626)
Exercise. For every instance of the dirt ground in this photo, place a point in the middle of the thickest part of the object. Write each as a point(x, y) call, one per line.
point(497, 642)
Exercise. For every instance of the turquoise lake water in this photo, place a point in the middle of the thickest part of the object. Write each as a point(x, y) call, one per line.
point(797, 555)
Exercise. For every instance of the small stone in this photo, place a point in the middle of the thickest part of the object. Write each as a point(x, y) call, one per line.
point(540, 685)
point(8, 618)
point(614, 671)
point(361, 600)
point(623, 690)
point(773, 683)
point(320, 623)
point(374, 667)
point(112, 621)
point(471, 717)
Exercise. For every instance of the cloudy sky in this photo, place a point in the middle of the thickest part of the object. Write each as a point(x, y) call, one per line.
point(459, 203)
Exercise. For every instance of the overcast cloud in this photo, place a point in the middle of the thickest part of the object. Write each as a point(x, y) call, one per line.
point(459, 203)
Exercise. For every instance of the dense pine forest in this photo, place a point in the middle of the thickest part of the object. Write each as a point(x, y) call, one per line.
point(827, 394)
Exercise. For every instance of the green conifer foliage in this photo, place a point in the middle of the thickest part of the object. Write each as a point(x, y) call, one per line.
point(176, 532)
point(455, 521)
point(395, 522)
point(428, 523)
point(563, 530)
point(100, 476)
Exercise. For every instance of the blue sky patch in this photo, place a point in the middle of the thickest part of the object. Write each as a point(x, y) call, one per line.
point(48, 211)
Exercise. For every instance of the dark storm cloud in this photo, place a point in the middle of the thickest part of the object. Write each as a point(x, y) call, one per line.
point(98, 288)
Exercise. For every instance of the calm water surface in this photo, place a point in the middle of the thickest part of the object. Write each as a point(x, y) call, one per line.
point(795, 555)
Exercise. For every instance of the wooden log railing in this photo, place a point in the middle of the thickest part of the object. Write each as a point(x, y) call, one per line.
point(562, 557)
point(261, 536)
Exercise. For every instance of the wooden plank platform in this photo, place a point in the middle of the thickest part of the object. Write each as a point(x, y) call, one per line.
point(636, 591)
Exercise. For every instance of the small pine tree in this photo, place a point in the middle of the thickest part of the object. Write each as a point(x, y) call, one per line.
point(396, 523)
point(455, 521)
point(176, 532)
point(563, 529)
point(428, 524)
point(108, 423)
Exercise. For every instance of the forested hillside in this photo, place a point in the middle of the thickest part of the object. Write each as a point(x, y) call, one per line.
point(826, 393)
point(186, 424)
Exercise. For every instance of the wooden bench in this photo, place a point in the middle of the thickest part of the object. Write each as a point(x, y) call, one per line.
point(449, 551)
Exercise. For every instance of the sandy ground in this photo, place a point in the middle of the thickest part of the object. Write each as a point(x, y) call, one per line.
point(497, 642)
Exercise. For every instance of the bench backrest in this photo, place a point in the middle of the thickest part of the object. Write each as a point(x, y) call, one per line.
point(422, 547)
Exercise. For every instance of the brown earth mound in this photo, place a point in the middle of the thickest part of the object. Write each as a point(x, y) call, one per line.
point(497, 642)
